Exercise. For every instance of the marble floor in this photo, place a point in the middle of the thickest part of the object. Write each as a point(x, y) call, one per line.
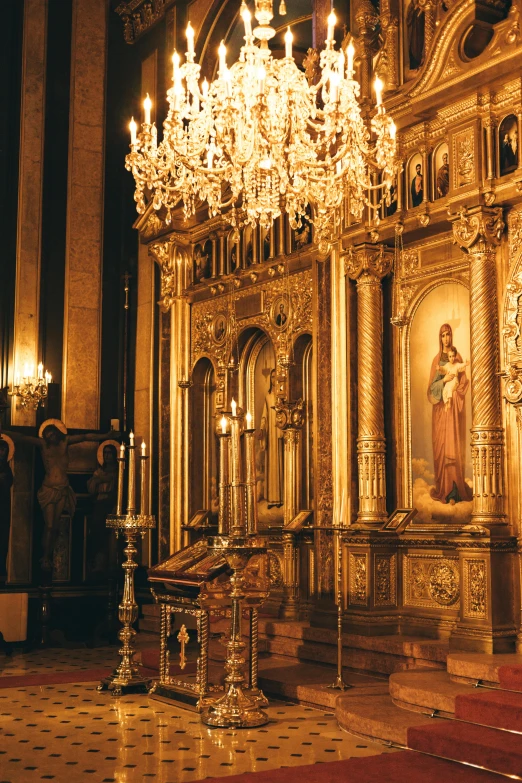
point(74, 733)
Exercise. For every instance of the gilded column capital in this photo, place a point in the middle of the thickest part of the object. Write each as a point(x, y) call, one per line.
point(368, 262)
point(478, 229)
point(289, 415)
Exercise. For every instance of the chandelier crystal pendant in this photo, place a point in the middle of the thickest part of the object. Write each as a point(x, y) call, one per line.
point(260, 140)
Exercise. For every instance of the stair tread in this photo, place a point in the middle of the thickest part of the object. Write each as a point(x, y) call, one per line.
point(376, 716)
point(427, 690)
point(480, 666)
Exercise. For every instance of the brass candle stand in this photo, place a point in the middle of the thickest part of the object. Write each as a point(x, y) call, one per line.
point(239, 707)
point(126, 677)
point(339, 684)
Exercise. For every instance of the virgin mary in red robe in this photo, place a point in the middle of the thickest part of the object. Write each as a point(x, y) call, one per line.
point(448, 428)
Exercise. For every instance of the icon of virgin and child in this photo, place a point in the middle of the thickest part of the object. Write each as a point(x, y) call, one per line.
point(447, 389)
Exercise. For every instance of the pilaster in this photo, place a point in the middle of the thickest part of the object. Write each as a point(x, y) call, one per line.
point(29, 234)
point(486, 557)
point(84, 239)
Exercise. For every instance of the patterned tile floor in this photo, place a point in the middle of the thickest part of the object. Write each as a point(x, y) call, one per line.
point(73, 733)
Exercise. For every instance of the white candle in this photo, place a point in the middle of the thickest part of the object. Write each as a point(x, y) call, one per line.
point(40, 371)
point(224, 425)
point(222, 51)
point(288, 43)
point(377, 86)
point(228, 82)
point(248, 419)
point(340, 64)
point(131, 439)
point(351, 53)
point(175, 65)
point(133, 131)
point(143, 449)
point(190, 39)
point(332, 21)
point(234, 406)
point(50, 377)
point(147, 106)
point(393, 130)
point(204, 88)
point(122, 450)
point(247, 19)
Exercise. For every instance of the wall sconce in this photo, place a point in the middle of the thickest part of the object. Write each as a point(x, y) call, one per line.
point(31, 390)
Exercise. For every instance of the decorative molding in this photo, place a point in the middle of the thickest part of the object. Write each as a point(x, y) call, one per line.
point(475, 588)
point(431, 581)
point(358, 579)
point(138, 16)
point(385, 579)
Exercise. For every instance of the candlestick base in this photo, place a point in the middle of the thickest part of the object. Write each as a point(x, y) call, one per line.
point(236, 709)
point(126, 677)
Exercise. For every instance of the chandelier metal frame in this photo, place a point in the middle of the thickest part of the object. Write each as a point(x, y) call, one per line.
point(260, 140)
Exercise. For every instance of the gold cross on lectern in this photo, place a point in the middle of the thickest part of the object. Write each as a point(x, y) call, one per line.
point(183, 639)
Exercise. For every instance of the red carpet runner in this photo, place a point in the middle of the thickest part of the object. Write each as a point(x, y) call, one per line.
point(402, 767)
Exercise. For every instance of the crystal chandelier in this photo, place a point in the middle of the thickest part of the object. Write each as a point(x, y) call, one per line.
point(32, 389)
point(260, 140)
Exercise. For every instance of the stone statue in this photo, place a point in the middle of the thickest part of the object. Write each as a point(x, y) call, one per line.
point(6, 482)
point(55, 496)
point(272, 444)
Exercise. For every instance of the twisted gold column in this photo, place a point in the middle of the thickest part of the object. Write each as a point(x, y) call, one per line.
point(367, 265)
point(478, 232)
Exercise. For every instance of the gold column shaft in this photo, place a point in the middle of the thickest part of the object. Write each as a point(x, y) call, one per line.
point(292, 473)
point(478, 231)
point(367, 265)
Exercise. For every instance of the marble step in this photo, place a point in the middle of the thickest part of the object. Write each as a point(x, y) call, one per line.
point(430, 650)
point(425, 691)
point(308, 683)
point(376, 717)
point(470, 667)
point(358, 658)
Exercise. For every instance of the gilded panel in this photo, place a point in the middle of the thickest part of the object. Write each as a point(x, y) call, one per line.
point(296, 289)
point(475, 588)
point(358, 579)
point(431, 581)
point(464, 158)
point(385, 579)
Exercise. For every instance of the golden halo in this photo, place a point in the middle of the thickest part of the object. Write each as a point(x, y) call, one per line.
point(11, 445)
point(57, 423)
point(99, 453)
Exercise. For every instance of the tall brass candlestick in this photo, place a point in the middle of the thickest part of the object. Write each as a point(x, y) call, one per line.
point(121, 473)
point(250, 458)
point(224, 483)
point(238, 525)
point(144, 500)
point(131, 492)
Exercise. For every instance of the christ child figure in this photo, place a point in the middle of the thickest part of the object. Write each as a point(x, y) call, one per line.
point(451, 371)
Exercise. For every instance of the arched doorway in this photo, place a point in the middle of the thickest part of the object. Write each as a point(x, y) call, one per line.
point(203, 442)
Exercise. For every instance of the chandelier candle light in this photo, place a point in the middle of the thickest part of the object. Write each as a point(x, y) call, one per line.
point(260, 140)
point(31, 390)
